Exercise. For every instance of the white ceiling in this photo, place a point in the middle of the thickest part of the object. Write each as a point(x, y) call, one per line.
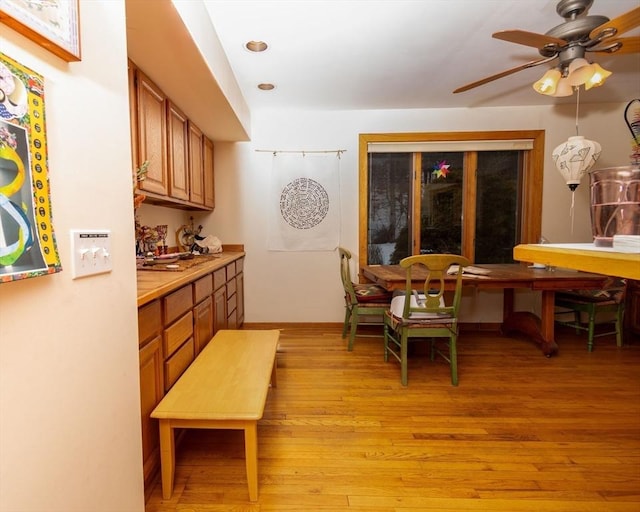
point(394, 54)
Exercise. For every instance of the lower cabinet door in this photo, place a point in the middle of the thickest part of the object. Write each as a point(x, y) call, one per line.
point(203, 324)
point(178, 363)
point(220, 309)
point(151, 392)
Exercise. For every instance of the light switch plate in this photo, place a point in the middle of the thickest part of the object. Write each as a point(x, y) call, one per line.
point(91, 252)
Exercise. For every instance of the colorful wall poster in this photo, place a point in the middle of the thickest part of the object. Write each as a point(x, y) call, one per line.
point(27, 241)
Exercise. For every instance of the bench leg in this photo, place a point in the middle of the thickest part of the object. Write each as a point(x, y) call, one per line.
point(251, 458)
point(167, 457)
point(274, 373)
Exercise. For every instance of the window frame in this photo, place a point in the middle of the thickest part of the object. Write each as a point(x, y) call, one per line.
point(533, 167)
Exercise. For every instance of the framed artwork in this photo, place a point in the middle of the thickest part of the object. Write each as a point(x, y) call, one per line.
point(53, 24)
point(27, 242)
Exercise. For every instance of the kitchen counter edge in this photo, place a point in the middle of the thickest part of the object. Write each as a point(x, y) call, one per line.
point(153, 285)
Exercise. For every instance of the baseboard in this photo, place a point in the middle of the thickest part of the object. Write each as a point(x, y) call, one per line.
point(291, 325)
point(471, 326)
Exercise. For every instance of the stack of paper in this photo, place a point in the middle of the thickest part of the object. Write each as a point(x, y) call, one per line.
point(478, 271)
point(626, 243)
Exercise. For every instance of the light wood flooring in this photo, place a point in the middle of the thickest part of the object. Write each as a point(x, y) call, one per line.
point(520, 433)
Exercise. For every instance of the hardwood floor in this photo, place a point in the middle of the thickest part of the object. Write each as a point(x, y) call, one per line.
point(521, 432)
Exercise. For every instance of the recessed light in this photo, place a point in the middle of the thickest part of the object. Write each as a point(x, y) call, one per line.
point(256, 46)
point(266, 87)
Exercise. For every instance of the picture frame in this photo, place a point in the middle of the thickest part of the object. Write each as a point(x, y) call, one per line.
point(28, 245)
point(54, 24)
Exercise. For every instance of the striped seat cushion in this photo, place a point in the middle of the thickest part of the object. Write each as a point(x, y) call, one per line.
point(369, 292)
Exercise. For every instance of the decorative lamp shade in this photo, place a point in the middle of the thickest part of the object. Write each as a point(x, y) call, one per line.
point(548, 83)
point(580, 71)
point(599, 76)
point(564, 88)
point(574, 157)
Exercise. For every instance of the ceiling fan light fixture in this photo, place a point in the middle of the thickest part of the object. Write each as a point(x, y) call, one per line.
point(549, 82)
point(580, 71)
point(563, 89)
point(598, 78)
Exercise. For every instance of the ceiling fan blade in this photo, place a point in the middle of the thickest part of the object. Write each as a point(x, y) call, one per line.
point(503, 74)
point(529, 38)
point(629, 45)
point(622, 23)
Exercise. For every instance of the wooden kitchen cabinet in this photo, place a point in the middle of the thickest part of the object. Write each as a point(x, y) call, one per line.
point(178, 156)
point(172, 329)
point(151, 111)
point(232, 298)
point(196, 165)
point(209, 178)
point(203, 312)
point(151, 384)
point(178, 334)
point(203, 329)
point(235, 294)
point(219, 299)
point(133, 116)
point(240, 292)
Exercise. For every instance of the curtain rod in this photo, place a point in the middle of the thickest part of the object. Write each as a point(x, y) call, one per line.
point(276, 151)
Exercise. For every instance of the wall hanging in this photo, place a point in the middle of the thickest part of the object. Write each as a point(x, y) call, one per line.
point(304, 202)
point(53, 24)
point(27, 241)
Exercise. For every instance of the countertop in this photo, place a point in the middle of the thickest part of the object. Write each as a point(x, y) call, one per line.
point(585, 257)
point(155, 284)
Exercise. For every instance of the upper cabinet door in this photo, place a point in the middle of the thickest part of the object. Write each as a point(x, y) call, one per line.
point(209, 183)
point(152, 134)
point(196, 168)
point(178, 154)
point(133, 116)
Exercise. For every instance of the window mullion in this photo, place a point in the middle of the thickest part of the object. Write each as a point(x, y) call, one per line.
point(469, 201)
point(416, 203)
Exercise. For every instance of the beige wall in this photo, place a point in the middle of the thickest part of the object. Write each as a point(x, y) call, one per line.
point(69, 401)
point(69, 394)
point(307, 283)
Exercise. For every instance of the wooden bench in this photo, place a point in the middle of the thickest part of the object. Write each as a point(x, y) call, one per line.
point(224, 388)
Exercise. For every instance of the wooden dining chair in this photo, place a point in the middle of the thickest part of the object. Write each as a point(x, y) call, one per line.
point(594, 304)
point(425, 313)
point(365, 304)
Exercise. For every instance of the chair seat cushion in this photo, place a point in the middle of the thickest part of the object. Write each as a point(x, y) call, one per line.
point(397, 310)
point(369, 292)
point(612, 292)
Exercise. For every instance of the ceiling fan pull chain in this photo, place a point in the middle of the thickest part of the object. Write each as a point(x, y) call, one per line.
point(577, 88)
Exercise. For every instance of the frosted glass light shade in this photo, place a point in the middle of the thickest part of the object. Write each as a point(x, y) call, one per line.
point(564, 88)
point(548, 83)
point(574, 157)
point(580, 71)
point(599, 76)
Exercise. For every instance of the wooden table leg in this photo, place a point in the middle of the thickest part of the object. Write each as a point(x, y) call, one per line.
point(547, 319)
point(507, 302)
point(167, 457)
point(537, 329)
point(251, 458)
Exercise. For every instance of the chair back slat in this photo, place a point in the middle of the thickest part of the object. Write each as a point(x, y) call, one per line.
point(436, 267)
point(345, 275)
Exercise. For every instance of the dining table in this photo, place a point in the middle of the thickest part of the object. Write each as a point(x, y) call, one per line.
point(506, 277)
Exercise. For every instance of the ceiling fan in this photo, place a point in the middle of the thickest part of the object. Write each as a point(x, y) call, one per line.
point(580, 33)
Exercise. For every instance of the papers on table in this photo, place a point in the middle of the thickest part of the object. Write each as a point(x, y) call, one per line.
point(471, 270)
point(626, 243)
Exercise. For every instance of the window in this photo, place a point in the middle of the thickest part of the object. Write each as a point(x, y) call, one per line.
point(473, 193)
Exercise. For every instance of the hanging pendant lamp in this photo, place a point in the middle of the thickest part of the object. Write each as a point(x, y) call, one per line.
point(574, 157)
